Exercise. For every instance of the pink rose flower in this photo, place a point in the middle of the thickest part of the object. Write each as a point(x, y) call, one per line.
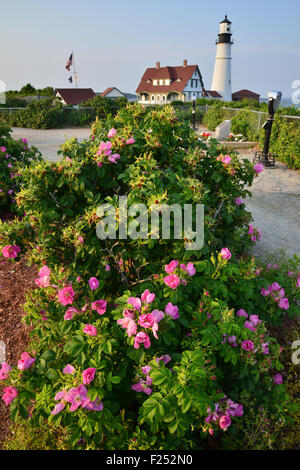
point(69, 369)
point(225, 253)
point(275, 286)
point(90, 330)
point(258, 168)
point(10, 251)
point(75, 396)
point(66, 295)
point(189, 268)
point(111, 133)
point(226, 160)
point(130, 141)
point(224, 422)
point(70, 313)
point(93, 283)
point(284, 303)
point(277, 379)
point(99, 306)
point(166, 359)
point(247, 345)
point(172, 310)
point(4, 371)
point(242, 313)
point(298, 282)
point(255, 320)
point(265, 292)
point(172, 281)
point(142, 386)
point(135, 302)
point(147, 297)
point(128, 322)
point(141, 338)
point(58, 408)
point(249, 325)
point(26, 361)
point(239, 201)
point(114, 157)
point(44, 277)
point(151, 320)
point(239, 410)
point(169, 268)
point(88, 375)
point(10, 393)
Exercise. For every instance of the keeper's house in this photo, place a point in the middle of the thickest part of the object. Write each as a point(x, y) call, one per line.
point(161, 85)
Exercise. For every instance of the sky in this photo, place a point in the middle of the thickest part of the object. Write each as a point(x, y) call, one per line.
point(115, 41)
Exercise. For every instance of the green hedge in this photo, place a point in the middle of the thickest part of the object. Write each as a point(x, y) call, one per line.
point(285, 141)
point(46, 114)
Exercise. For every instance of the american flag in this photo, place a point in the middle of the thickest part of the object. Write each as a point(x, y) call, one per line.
point(70, 62)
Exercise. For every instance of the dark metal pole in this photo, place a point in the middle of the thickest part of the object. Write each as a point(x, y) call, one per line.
point(268, 129)
point(194, 115)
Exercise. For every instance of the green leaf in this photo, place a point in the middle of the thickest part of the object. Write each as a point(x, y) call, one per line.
point(23, 411)
point(187, 402)
point(115, 380)
point(173, 426)
point(51, 374)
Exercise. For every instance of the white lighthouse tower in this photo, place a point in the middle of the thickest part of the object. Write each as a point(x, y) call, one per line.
point(222, 73)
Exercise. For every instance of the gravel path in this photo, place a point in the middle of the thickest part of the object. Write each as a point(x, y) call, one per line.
point(48, 141)
point(275, 207)
point(275, 202)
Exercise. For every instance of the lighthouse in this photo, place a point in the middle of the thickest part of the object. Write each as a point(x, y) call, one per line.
point(222, 73)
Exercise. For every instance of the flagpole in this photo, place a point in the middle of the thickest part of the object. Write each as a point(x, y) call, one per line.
point(75, 74)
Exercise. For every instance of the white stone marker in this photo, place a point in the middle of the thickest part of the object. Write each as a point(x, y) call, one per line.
point(2, 352)
point(223, 130)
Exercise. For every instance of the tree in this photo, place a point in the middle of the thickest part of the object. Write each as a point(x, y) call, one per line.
point(28, 90)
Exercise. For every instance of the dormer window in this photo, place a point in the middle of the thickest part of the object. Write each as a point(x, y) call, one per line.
point(178, 79)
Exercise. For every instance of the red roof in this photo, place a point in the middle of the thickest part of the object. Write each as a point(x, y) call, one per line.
point(212, 93)
point(245, 94)
point(73, 96)
point(107, 91)
point(173, 73)
point(110, 89)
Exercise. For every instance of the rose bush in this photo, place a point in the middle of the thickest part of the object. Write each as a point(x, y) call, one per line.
point(140, 344)
point(13, 155)
point(161, 162)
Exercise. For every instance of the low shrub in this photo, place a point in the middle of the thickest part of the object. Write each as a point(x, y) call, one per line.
point(285, 141)
point(245, 123)
point(49, 113)
point(186, 115)
point(14, 155)
point(213, 117)
point(40, 114)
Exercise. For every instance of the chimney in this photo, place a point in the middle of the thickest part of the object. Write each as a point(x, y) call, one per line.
point(185, 63)
point(157, 65)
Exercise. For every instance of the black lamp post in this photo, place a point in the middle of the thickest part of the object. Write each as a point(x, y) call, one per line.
point(194, 113)
point(274, 98)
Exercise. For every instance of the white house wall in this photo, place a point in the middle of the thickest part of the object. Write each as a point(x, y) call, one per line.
point(114, 94)
point(189, 90)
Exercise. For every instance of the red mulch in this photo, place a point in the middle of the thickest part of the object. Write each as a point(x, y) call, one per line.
point(15, 279)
